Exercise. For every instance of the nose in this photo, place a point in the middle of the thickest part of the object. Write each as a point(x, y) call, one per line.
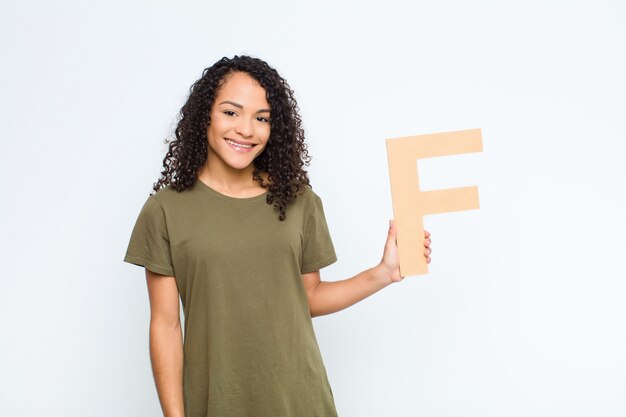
point(245, 127)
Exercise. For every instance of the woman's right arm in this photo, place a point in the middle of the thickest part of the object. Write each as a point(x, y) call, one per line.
point(166, 342)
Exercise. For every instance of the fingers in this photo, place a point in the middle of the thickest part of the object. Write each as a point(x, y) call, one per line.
point(392, 228)
point(391, 235)
point(428, 250)
point(427, 241)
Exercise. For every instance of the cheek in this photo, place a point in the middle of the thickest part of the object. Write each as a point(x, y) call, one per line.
point(265, 142)
point(266, 135)
point(212, 134)
point(219, 123)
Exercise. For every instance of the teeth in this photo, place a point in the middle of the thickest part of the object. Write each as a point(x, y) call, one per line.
point(238, 144)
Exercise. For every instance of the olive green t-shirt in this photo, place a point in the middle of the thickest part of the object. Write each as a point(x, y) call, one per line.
point(249, 345)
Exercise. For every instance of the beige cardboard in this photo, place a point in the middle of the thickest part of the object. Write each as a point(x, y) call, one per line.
point(410, 205)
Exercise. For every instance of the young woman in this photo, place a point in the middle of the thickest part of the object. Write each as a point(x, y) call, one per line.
point(235, 231)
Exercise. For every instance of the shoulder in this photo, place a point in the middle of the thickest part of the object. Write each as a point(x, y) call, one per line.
point(310, 201)
point(307, 196)
point(168, 196)
point(302, 202)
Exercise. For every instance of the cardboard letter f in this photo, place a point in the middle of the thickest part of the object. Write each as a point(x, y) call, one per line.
point(410, 204)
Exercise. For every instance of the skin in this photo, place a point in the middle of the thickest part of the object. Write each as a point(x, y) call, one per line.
point(329, 297)
point(166, 342)
point(239, 113)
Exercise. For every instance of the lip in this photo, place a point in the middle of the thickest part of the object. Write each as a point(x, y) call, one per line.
point(241, 142)
point(238, 148)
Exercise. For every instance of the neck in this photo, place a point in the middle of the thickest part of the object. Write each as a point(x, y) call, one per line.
point(233, 182)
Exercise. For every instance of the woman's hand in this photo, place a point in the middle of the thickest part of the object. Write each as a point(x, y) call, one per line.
point(390, 263)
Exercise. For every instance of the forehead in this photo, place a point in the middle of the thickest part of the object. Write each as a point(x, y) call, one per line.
point(242, 85)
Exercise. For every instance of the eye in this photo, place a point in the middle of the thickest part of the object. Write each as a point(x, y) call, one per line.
point(229, 113)
point(263, 119)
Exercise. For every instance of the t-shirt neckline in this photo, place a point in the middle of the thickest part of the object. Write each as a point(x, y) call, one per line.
point(227, 197)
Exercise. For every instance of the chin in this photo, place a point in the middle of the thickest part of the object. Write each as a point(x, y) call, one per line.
point(241, 164)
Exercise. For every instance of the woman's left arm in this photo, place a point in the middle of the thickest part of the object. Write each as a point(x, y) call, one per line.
point(329, 297)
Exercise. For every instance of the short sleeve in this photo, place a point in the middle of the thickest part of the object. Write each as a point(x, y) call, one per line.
point(149, 244)
point(318, 250)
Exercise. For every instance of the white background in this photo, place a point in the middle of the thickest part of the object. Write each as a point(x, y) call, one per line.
point(523, 312)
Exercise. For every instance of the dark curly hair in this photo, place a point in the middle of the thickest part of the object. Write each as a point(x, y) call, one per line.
point(283, 158)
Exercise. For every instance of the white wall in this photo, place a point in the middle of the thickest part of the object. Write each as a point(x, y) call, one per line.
point(523, 311)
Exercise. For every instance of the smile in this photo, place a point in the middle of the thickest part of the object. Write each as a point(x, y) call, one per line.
point(239, 147)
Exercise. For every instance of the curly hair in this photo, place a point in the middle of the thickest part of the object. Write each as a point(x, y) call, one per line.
point(283, 158)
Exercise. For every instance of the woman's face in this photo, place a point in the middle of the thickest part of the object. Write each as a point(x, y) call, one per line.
point(240, 123)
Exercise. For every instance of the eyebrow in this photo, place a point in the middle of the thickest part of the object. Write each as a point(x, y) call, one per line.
point(241, 107)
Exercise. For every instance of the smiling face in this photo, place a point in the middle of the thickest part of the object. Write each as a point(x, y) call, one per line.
point(240, 124)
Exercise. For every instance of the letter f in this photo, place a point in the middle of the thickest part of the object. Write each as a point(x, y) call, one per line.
point(410, 204)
